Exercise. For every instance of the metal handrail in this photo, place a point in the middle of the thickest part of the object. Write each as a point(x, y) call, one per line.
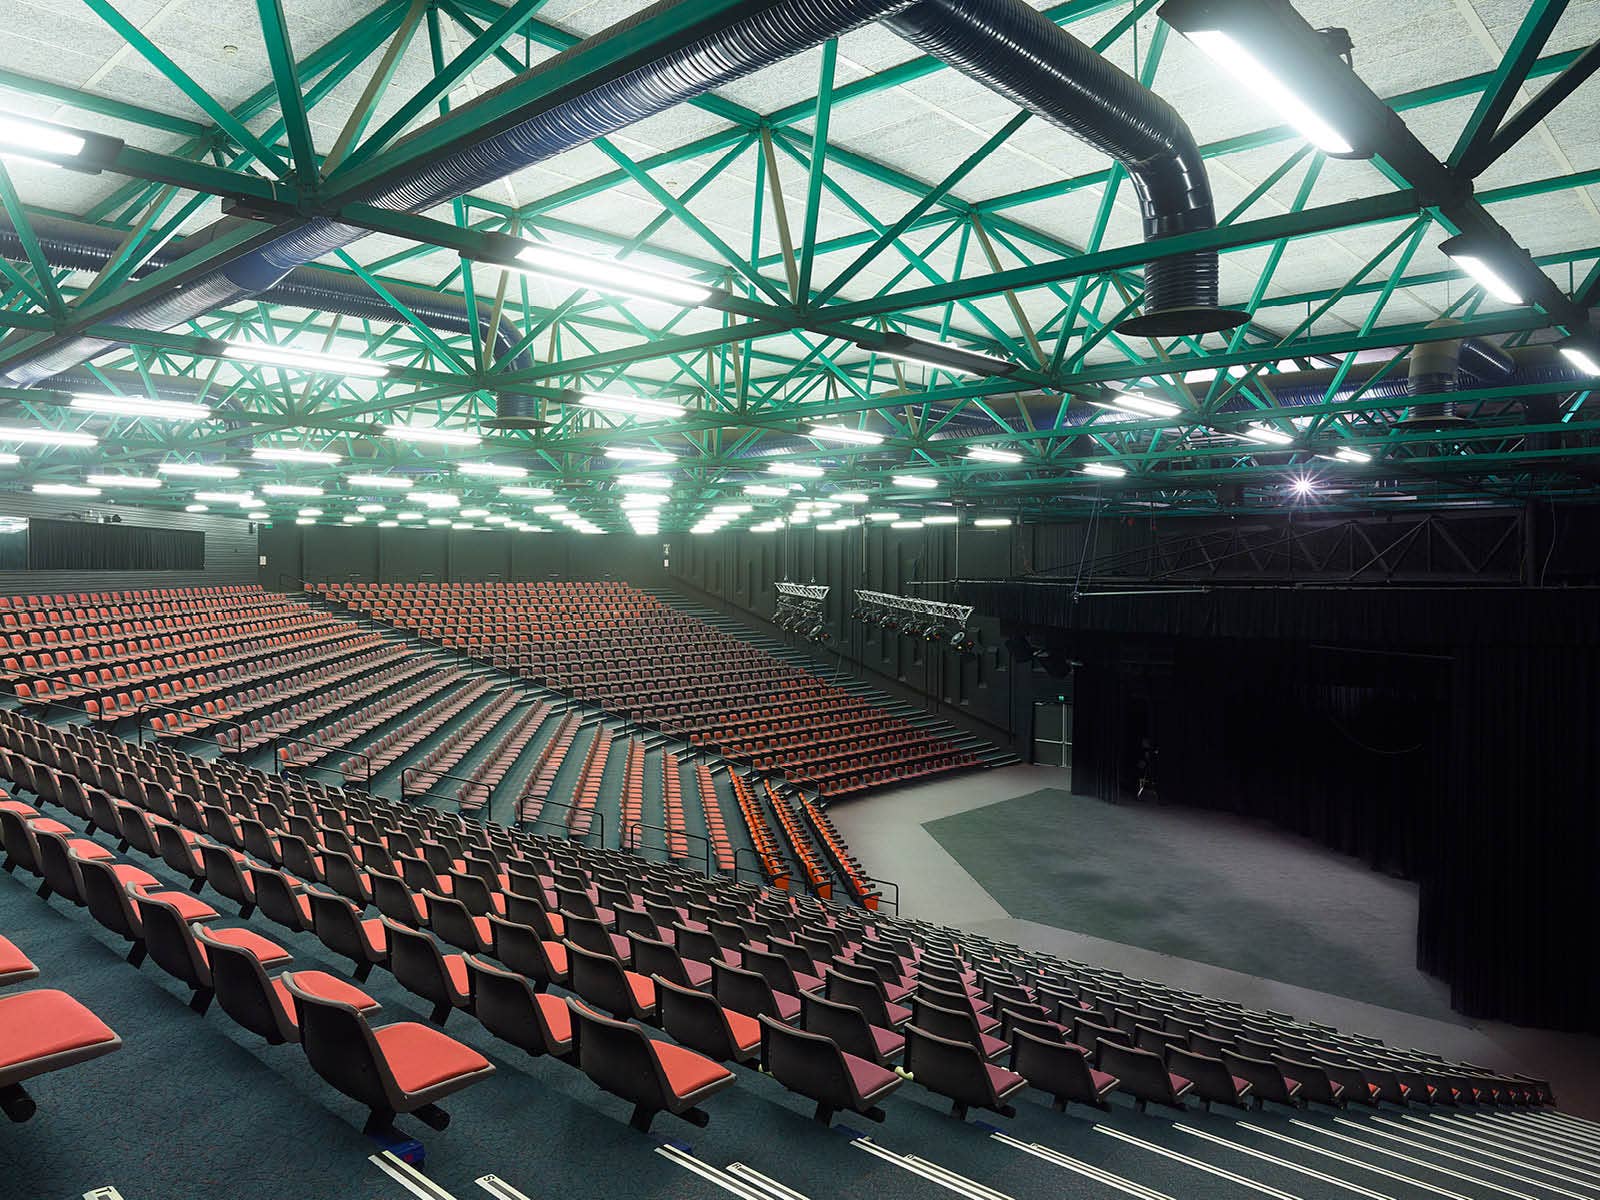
point(886, 883)
point(633, 842)
point(277, 761)
point(597, 814)
point(758, 870)
point(405, 779)
point(140, 709)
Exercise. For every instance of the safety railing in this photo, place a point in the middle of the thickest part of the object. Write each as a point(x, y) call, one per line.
point(599, 818)
point(277, 744)
point(631, 842)
point(154, 706)
point(409, 773)
point(880, 898)
point(759, 871)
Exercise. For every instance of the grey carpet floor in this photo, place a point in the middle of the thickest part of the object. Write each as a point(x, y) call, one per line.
point(1200, 886)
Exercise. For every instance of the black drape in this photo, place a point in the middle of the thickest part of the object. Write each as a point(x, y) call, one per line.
point(1449, 735)
point(93, 546)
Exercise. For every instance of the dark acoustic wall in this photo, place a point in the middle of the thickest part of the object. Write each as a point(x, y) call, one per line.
point(985, 691)
point(230, 546)
point(366, 553)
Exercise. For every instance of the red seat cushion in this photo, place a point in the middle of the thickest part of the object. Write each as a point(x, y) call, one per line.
point(190, 907)
point(1103, 1081)
point(93, 851)
point(329, 987)
point(788, 1006)
point(19, 807)
point(456, 966)
point(14, 961)
point(49, 825)
point(127, 873)
point(377, 936)
point(867, 1077)
point(41, 1023)
point(746, 1030)
point(557, 953)
point(643, 989)
point(558, 923)
point(268, 953)
point(420, 1057)
point(485, 930)
point(686, 1071)
point(886, 1040)
point(1003, 1081)
point(698, 973)
point(556, 1015)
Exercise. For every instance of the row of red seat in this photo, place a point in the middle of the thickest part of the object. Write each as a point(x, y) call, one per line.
point(632, 798)
point(502, 757)
point(398, 742)
point(773, 863)
point(847, 865)
point(580, 816)
point(716, 828)
point(33, 600)
point(456, 745)
point(672, 806)
point(548, 766)
point(319, 695)
point(817, 875)
point(352, 728)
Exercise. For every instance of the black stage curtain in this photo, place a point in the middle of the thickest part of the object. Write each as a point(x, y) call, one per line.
point(1450, 736)
point(92, 546)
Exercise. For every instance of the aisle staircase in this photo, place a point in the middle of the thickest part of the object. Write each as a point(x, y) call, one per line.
point(810, 657)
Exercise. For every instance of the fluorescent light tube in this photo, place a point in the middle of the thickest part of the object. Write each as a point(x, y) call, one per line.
point(985, 454)
point(1581, 359)
point(608, 275)
point(845, 433)
point(529, 493)
point(1458, 250)
point(635, 406)
point(472, 513)
point(198, 470)
point(1346, 454)
point(1148, 406)
point(304, 360)
point(48, 437)
point(882, 517)
point(914, 481)
point(795, 470)
point(227, 497)
point(369, 508)
point(849, 497)
point(1256, 76)
point(309, 512)
point(134, 406)
point(353, 519)
point(410, 516)
point(639, 454)
point(290, 489)
point(1257, 432)
point(906, 525)
point(65, 489)
point(1104, 470)
point(992, 522)
point(259, 515)
point(378, 481)
point(127, 481)
point(196, 508)
point(19, 135)
point(644, 480)
point(294, 454)
point(762, 489)
point(492, 470)
point(941, 520)
point(432, 435)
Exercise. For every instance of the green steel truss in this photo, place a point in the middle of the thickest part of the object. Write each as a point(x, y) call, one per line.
point(777, 351)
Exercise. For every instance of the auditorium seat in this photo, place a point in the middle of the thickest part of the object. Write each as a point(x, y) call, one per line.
point(655, 1076)
point(958, 1071)
point(405, 1067)
point(262, 1004)
point(694, 1018)
point(507, 1005)
point(1213, 1082)
point(41, 1031)
point(814, 1066)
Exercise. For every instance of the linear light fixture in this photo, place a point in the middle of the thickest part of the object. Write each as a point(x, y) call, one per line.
point(388, 524)
point(65, 489)
point(1104, 470)
point(492, 470)
point(610, 276)
point(1257, 431)
point(905, 525)
point(925, 482)
point(353, 519)
point(309, 512)
point(526, 493)
point(845, 433)
point(297, 520)
point(850, 497)
point(639, 454)
point(290, 489)
point(303, 360)
point(227, 497)
point(124, 481)
point(439, 522)
point(883, 517)
point(939, 355)
point(8, 459)
point(436, 499)
point(293, 454)
point(196, 508)
point(989, 455)
point(1472, 260)
point(190, 470)
point(795, 470)
point(260, 514)
point(474, 513)
point(135, 406)
point(58, 145)
point(644, 479)
point(39, 435)
point(633, 406)
point(764, 489)
point(435, 435)
point(992, 522)
point(1580, 356)
point(399, 482)
point(1248, 41)
point(1350, 455)
point(1145, 406)
point(410, 516)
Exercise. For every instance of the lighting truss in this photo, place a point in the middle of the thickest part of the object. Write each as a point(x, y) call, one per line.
point(800, 609)
point(915, 606)
point(803, 591)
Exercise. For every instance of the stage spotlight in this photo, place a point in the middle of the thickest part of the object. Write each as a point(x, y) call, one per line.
point(963, 641)
point(886, 620)
point(932, 633)
point(909, 626)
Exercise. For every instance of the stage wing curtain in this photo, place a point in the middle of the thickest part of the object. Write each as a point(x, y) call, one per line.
point(85, 546)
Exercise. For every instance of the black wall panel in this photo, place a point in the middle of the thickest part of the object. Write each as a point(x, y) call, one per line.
point(230, 547)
